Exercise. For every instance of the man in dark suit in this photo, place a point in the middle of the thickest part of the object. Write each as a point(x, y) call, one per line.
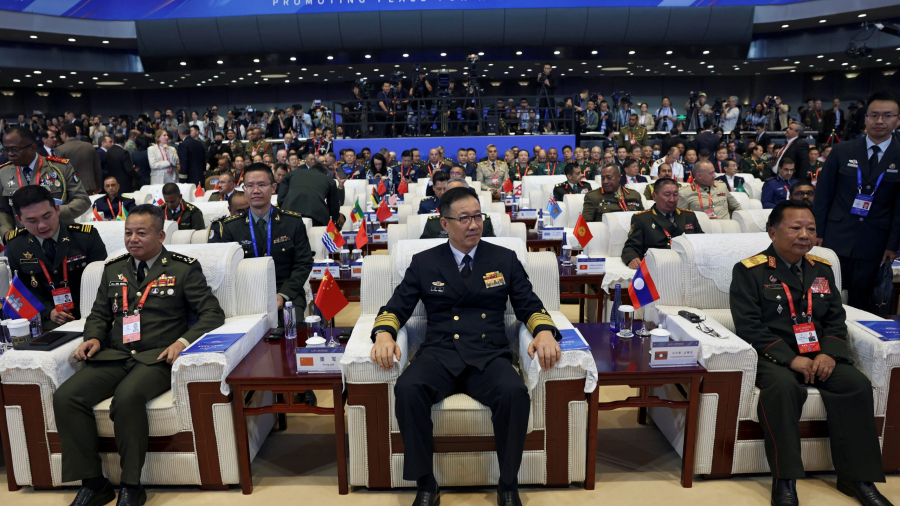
point(856, 201)
point(119, 164)
point(631, 172)
point(49, 142)
point(310, 193)
point(464, 284)
point(106, 142)
point(733, 182)
point(835, 122)
point(762, 138)
point(288, 145)
point(192, 156)
point(83, 158)
point(707, 139)
point(796, 149)
point(113, 204)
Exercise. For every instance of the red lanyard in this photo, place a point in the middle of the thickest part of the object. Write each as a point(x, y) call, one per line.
point(65, 273)
point(111, 209)
point(406, 174)
point(37, 172)
point(668, 236)
point(163, 152)
point(140, 304)
point(700, 197)
point(621, 201)
point(241, 178)
point(790, 299)
point(181, 207)
point(553, 172)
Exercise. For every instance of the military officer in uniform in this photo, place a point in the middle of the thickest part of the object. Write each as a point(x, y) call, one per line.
point(130, 363)
point(439, 181)
point(256, 145)
point(573, 183)
point(51, 256)
point(552, 166)
point(785, 304)
point(265, 230)
point(655, 227)
point(236, 205)
point(187, 216)
point(521, 168)
point(706, 195)
point(225, 186)
point(633, 134)
point(27, 167)
point(611, 197)
point(664, 170)
point(492, 173)
point(113, 204)
point(433, 229)
point(464, 284)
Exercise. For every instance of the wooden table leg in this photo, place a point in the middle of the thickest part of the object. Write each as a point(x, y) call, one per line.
point(590, 468)
point(243, 444)
point(339, 438)
point(642, 416)
point(690, 432)
point(581, 304)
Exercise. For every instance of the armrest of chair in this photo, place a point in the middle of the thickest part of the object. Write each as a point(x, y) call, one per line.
point(255, 286)
point(518, 230)
point(729, 226)
point(665, 269)
point(572, 365)
point(397, 232)
point(182, 237)
point(874, 357)
point(357, 364)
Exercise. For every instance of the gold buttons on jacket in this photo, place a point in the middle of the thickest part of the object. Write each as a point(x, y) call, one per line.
point(456, 318)
point(138, 294)
point(483, 336)
point(483, 316)
point(455, 336)
point(133, 352)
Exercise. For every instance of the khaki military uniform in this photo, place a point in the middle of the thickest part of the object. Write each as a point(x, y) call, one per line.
point(254, 148)
point(434, 230)
point(131, 372)
point(598, 202)
point(650, 229)
point(56, 175)
point(187, 216)
point(491, 178)
point(632, 136)
point(648, 192)
point(564, 188)
point(723, 203)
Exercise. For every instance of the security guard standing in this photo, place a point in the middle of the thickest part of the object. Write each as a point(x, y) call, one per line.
point(573, 183)
point(611, 197)
point(51, 256)
point(236, 205)
point(633, 134)
point(27, 167)
point(655, 227)
point(786, 305)
point(130, 363)
point(492, 173)
point(706, 195)
point(187, 216)
point(113, 204)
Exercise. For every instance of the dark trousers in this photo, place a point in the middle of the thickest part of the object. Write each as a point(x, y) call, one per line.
point(859, 278)
point(849, 405)
point(426, 382)
point(131, 384)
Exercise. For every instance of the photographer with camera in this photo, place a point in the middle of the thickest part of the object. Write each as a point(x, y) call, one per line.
point(384, 113)
point(697, 110)
point(301, 122)
point(235, 124)
point(777, 113)
point(547, 83)
point(730, 117)
point(421, 88)
point(278, 125)
point(625, 110)
point(212, 116)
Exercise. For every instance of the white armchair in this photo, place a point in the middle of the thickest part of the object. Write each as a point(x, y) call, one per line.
point(192, 440)
point(187, 190)
point(752, 220)
point(464, 450)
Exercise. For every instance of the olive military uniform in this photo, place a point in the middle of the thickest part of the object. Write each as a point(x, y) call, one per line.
point(564, 188)
point(130, 372)
point(56, 175)
point(598, 202)
point(215, 229)
point(259, 147)
point(716, 197)
point(491, 175)
point(289, 248)
point(517, 172)
point(187, 216)
point(652, 229)
point(549, 169)
point(590, 170)
point(434, 230)
point(75, 247)
point(762, 317)
point(632, 136)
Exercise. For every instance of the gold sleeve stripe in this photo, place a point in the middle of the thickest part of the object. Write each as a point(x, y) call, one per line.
point(389, 320)
point(538, 319)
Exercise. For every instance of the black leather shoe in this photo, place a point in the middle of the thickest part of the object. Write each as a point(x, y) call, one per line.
point(428, 498)
point(131, 496)
point(784, 492)
point(509, 498)
point(309, 397)
point(864, 492)
point(87, 497)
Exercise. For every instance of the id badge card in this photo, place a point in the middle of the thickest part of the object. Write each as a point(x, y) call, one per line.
point(62, 299)
point(805, 333)
point(861, 205)
point(711, 213)
point(495, 180)
point(131, 328)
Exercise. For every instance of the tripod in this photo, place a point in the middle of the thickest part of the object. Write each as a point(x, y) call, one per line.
point(694, 123)
point(544, 98)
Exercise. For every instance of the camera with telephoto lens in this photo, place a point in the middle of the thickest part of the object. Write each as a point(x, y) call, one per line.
point(396, 77)
point(364, 87)
point(621, 96)
point(770, 102)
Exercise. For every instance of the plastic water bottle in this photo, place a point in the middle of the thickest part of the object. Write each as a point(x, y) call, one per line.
point(614, 316)
point(36, 328)
point(540, 223)
point(290, 335)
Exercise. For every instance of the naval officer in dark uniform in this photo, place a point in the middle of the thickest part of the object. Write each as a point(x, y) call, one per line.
point(131, 363)
point(49, 255)
point(573, 183)
point(465, 284)
point(187, 216)
point(771, 296)
point(655, 227)
point(113, 204)
point(429, 205)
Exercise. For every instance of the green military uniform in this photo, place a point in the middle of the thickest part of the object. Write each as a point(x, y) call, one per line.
point(590, 170)
point(814, 169)
point(130, 372)
point(238, 148)
point(598, 202)
point(651, 229)
point(646, 168)
point(433, 229)
point(289, 249)
point(76, 246)
point(187, 216)
point(564, 188)
point(762, 317)
point(549, 169)
point(751, 166)
point(723, 203)
point(633, 136)
point(312, 194)
point(517, 172)
point(213, 173)
point(648, 192)
point(215, 229)
point(259, 147)
point(491, 175)
point(56, 175)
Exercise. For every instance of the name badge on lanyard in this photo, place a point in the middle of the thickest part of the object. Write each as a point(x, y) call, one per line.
point(863, 203)
point(62, 297)
point(804, 333)
point(131, 325)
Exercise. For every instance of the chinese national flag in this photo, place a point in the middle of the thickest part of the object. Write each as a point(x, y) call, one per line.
point(582, 232)
point(329, 298)
point(361, 238)
point(383, 212)
point(199, 192)
point(508, 185)
point(381, 188)
point(403, 188)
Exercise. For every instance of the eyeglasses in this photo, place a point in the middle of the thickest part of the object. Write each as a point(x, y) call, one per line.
point(251, 187)
point(805, 194)
point(15, 151)
point(876, 117)
point(467, 220)
point(702, 327)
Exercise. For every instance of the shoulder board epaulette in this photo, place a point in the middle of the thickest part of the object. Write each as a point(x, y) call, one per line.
point(642, 212)
point(754, 261)
point(120, 257)
point(190, 206)
point(187, 260)
point(5, 164)
point(291, 213)
point(686, 211)
point(16, 232)
point(57, 159)
point(81, 228)
point(814, 258)
point(559, 185)
point(235, 217)
point(437, 217)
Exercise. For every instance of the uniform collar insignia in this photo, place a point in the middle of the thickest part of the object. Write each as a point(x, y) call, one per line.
point(121, 277)
point(771, 261)
point(64, 239)
point(165, 261)
point(27, 254)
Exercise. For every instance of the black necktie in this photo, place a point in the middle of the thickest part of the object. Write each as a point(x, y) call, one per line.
point(50, 249)
point(873, 160)
point(466, 271)
point(670, 217)
point(262, 236)
point(796, 270)
point(141, 271)
point(26, 171)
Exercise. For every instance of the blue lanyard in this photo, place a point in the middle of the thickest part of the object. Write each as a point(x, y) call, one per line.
point(859, 181)
point(268, 235)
